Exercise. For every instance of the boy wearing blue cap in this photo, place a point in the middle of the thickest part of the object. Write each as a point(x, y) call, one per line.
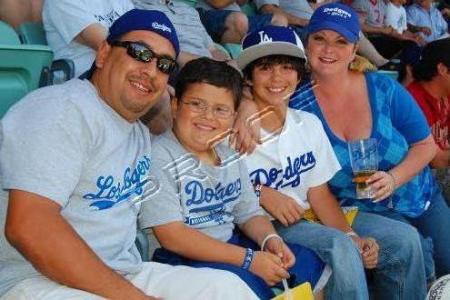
point(204, 190)
point(295, 160)
point(73, 176)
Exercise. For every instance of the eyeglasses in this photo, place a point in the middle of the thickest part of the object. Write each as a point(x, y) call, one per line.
point(199, 106)
point(143, 53)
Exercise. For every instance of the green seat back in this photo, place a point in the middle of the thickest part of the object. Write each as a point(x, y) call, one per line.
point(233, 49)
point(8, 35)
point(249, 9)
point(20, 71)
point(32, 33)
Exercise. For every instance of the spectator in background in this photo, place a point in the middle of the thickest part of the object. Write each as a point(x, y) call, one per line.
point(431, 89)
point(372, 15)
point(226, 23)
point(396, 18)
point(194, 39)
point(426, 19)
point(75, 29)
point(16, 12)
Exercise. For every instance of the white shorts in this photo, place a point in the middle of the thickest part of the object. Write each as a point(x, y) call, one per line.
point(168, 282)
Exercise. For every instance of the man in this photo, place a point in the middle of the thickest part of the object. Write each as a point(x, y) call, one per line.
point(195, 42)
point(75, 29)
point(16, 12)
point(385, 39)
point(226, 23)
point(431, 90)
point(74, 167)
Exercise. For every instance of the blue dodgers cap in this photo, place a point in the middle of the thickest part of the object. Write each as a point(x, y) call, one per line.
point(143, 19)
point(270, 40)
point(337, 17)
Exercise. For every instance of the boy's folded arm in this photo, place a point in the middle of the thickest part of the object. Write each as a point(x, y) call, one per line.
point(193, 244)
point(326, 207)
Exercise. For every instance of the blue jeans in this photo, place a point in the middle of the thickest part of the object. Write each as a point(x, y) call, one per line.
point(400, 273)
point(338, 251)
point(307, 268)
point(433, 226)
point(214, 21)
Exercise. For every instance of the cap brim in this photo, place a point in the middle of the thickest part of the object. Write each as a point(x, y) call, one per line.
point(348, 35)
point(274, 48)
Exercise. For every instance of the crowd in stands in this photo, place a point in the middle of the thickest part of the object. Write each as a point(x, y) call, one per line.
point(234, 165)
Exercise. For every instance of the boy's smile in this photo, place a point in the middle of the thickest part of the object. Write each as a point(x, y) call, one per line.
point(203, 114)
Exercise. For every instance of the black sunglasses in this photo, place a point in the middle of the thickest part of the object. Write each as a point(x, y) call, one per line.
point(143, 53)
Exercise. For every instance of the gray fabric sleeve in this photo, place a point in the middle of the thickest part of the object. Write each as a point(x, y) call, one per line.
point(69, 17)
point(45, 154)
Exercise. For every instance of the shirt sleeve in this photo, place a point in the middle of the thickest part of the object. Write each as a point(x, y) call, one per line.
point(248, 205)
point(406, 115)
point(43, 155)
point(69, 17)
point(390, 19)
point(163, 205)
point(411, 16)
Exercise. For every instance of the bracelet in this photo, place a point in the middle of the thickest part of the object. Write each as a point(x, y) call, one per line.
point(258, 188)
point(268, 237)
point(351, 233)
point(394, 182)
point(247, 259)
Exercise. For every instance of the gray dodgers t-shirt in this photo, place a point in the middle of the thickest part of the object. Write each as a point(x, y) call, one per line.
point(208, 198)
point(64, 143)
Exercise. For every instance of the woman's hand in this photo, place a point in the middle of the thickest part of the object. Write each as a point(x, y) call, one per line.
point(269, 267)
point(283, 208)
point(383, 183)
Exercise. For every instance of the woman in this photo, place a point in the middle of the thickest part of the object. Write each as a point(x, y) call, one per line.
point(355, 106)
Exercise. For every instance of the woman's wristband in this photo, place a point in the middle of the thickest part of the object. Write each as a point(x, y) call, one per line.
point(248, 258)
point(268, 237)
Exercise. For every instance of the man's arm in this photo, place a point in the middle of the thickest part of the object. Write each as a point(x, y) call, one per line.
point(92, 36)
point(35, 227)
point(292, 20)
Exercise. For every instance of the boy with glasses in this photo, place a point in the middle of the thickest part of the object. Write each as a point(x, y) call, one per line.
point(203, 190)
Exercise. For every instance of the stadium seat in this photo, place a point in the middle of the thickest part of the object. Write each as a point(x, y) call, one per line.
point(233, 49)
point(62, 69)
point(32, 33)
point(22, 67)
point(249, 9)
point(8, 36)
point(392, 74)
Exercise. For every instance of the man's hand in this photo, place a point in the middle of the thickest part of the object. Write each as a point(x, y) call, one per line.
point(279, 248)
point(283, 208)
point(269, 267)
point(369, 249)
